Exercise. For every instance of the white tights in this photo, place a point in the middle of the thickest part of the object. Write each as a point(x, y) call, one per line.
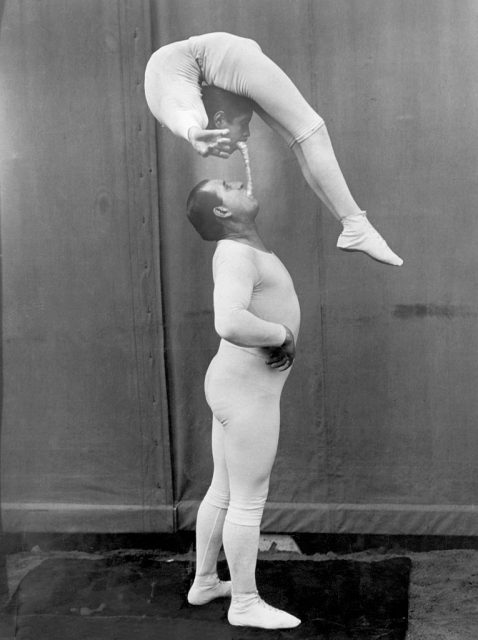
point(240, 533)
point(244, 395)
point(318, 162)
point(172, 85)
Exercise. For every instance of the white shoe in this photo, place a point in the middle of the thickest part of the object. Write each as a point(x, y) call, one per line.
point(251, 611)
point(203, 593)
point(360, 235)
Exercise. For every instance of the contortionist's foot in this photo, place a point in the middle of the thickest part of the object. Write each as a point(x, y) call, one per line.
point(207, 588)
point(249, 610)
point(360, 235)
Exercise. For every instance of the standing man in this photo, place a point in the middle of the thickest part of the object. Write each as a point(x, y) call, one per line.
point(257, 316)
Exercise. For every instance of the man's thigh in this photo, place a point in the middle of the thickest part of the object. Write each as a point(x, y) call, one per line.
point(250, 441)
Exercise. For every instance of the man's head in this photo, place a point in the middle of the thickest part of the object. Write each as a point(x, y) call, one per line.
point(227, 110)
point(216, 207)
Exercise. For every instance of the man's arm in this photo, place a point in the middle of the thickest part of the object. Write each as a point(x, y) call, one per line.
point(233, 287)
point(282, 357)
point(234, 279)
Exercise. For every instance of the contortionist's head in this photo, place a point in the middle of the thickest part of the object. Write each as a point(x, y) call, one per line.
point(226, 110)
point(217, 207)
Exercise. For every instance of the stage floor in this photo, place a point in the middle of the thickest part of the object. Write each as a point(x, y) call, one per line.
point(139, 595)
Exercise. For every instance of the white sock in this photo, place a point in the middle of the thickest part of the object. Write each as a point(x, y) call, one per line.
point(207, 588)
point(359, 235)
point(249, 610)
point(241, 543)
point(206, 585)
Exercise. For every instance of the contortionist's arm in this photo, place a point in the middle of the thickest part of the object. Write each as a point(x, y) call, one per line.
point(177, 104)
point(233, 286)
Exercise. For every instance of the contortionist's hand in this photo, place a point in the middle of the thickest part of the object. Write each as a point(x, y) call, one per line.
point(210, 142)
point(282, 357)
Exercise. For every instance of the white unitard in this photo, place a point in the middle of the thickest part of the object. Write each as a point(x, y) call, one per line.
point(254, 298)
point(173, 80)
point(175, 72)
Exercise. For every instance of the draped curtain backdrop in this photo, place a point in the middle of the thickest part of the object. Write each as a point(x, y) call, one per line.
point(107, 289)
point(85, 433)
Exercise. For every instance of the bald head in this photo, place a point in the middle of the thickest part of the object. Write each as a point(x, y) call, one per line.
point(217, 208)
point(200, 211)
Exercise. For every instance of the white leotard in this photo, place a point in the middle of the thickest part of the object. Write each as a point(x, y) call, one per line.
point(175, 72)
point(253, 298)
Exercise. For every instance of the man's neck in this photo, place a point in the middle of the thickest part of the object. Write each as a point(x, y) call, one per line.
point(246, 235)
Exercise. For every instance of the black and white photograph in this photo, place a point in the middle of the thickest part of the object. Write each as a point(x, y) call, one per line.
point(238, 319)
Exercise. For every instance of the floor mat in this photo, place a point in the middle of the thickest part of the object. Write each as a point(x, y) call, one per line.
point(120, 598)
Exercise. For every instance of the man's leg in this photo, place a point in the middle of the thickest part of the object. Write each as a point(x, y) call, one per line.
point(251, 439)
point(209, 526)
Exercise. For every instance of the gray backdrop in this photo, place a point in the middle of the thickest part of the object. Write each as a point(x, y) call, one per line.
point(108, 326)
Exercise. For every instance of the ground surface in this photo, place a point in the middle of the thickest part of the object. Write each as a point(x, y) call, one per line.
point(443, 597)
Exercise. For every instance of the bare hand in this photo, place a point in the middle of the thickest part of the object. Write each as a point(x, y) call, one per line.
point(282, 357)
point(211, 142)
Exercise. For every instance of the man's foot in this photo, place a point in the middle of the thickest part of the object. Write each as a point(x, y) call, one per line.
point(206, 588)
point(249, 610)
point(360, 235)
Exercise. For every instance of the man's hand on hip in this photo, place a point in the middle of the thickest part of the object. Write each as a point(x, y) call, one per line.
point(282, 357)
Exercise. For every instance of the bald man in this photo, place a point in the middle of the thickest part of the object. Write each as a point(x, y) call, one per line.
point(257, 316)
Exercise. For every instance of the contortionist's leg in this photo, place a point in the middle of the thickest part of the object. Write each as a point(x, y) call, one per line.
point(284, 108)
point(209, 526)
point(296, 147)
point(321, 170)
point(319, 164)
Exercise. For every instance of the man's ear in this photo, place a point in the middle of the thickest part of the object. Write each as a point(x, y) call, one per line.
point(219, 120)
point(221, 211)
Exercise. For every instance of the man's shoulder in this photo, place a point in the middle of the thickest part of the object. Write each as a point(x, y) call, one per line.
point(233, 249)
point(232, 253)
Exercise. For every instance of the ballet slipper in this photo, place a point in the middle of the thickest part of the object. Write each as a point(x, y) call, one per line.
point(249, 610)
point(206, 588)
point(359, 235)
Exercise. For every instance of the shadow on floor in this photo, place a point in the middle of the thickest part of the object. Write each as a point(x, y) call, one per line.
point(143, 597)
